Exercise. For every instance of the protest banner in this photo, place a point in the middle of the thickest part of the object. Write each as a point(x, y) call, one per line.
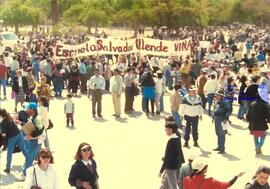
point(145, 46)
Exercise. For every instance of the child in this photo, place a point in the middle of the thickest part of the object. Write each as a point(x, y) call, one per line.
point(69, 110)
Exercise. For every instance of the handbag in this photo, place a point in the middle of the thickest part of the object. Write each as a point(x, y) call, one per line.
point(50, 124)
point(35, 186)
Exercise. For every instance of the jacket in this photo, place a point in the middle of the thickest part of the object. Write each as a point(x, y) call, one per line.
point(255, 185)
point(222, 109)
point(15, 86)
point(258, 115)
point(191, 107)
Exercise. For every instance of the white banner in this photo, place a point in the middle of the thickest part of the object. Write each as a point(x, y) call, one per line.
point(98, 46)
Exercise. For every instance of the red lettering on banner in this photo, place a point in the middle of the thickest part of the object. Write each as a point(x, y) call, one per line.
point(99, 45)
point(58, 50)
point(65, 53)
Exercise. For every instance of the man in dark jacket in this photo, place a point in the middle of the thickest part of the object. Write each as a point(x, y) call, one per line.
point(173, 158)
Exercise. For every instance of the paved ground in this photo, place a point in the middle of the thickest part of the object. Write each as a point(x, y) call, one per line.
point(128, 151)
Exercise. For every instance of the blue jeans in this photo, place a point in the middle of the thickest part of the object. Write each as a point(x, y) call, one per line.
point(177, 118)
point(12, 75)
point(19, 140)
point(242, 109)
point(220, 133)
point(4, 84)
point(191, 122)
point(259, 141)
point(210, 98)
point(33, 148)
point(58, 89)
point(107, 85)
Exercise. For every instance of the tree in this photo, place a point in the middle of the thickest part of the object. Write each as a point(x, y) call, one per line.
point(16, 13)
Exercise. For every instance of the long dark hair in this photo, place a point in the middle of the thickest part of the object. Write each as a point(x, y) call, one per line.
point(44, 101)
point(5, 115)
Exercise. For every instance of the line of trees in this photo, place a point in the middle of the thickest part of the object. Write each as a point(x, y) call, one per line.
point(133, 13)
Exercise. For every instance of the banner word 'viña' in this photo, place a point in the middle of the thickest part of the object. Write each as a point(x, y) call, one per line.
point(116, 46)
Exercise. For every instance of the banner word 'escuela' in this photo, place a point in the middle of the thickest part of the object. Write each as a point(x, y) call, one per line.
point(115, 46)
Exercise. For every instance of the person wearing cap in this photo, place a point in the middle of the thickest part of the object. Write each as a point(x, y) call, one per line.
point(116, 89)
point(33, 144)
point(258, 116)
point(97, 85)
point(220, 117)
point(173, 158)
point(83, 173)
point(191, 109)
point(198, 179)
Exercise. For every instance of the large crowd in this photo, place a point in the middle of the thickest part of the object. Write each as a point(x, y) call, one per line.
point(234, 67)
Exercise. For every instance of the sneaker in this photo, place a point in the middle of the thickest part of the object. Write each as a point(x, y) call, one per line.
point(100, 116)
point(196, 144)
point(7, 171)
point(21, 178)
point(186, 145)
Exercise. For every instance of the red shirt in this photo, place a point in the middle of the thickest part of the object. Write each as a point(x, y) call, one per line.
point(200, 182)
point(3, 72)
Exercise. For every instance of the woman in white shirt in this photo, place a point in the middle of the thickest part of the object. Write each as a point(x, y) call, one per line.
point(43, 112)
point(42, 175)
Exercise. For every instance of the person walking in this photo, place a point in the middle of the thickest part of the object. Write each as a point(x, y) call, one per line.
point(129, 82)
point(176, 100)
point(117, 88)
point(148, 85)
point(97, 84)
point(3, 78)
point(260, 180)
point(210, 88)
point(242, 100)
point(83, 173)
point(20, 88)
point(191, 109)
point(69, 109)
point(201, 83)
point(220, 117)
point(13, 136)
point(43, 174)
point(198, 178)
point(258, 116)
point(107, 74)
point(172, 159)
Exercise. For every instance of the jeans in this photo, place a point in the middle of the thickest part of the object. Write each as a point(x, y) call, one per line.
point(12, 142)
point(32, 148)
point(210, 99)
point(191, 122)
point(242, 109)
point(12, 75)
point(204, 100)
point(58, 89)
point(3, 82)
point(177, 118)
point(259, 141)
point(107, 85)
point(220, 133)
point(169, 180)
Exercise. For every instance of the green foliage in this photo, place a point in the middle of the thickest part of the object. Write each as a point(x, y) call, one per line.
point(136, 13)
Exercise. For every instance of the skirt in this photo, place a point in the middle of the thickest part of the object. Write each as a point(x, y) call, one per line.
point(258, 133)
point(20, 96)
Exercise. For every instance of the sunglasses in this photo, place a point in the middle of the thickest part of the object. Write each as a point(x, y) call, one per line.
point(86, 149)
point(46, 157)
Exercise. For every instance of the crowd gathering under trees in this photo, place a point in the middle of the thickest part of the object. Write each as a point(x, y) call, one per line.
point(133, 14)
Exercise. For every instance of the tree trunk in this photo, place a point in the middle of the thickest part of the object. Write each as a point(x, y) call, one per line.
point(89, 29)
point(135, 31)
point(17, 28)
point(54, 7)
point(96, 28)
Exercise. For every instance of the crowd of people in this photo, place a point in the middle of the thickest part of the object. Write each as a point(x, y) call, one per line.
point(233, 68)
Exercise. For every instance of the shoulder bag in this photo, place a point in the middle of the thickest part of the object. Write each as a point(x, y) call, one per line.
point(35, 186)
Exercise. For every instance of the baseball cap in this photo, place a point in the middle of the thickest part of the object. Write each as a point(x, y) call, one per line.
point(31, 106)
point(199, 165)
